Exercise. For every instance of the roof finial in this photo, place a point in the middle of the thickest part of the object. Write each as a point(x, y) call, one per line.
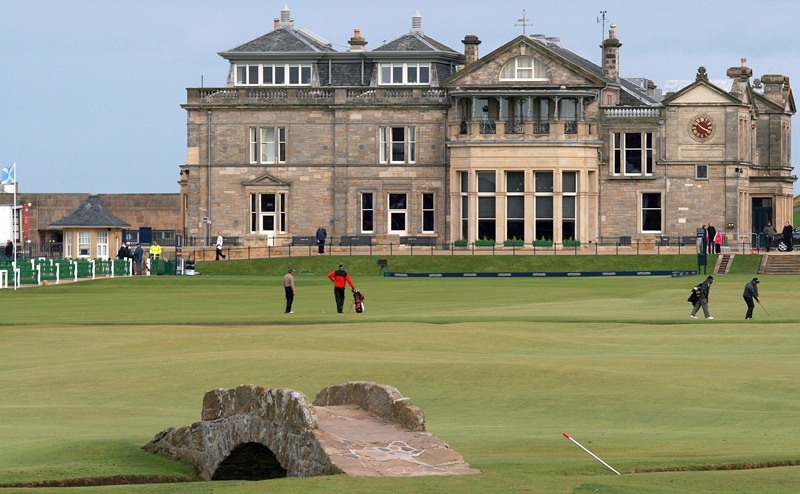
point(286, 16)
point(416, 23)
point(523, 21)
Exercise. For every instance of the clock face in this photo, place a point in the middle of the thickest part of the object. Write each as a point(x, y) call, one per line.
point(702, 128)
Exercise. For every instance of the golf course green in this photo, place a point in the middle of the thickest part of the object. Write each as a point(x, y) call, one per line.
point(502, 367)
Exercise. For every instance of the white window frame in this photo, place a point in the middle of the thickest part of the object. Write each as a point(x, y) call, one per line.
point(102, 245)
point(392, 212)
point(429, 212)
point(544, 194)
point(266, 74)
point(404, 73)
point(524, 68)
point(567, 195)
point(515, 196)
point(389, 142)
point(257, 213)
point(619, 166)
point(267, 145)
point(463, 180)
point(68, 245)
point(367, 210)
point(85, 244)
point(486, 196)
point(642, 210)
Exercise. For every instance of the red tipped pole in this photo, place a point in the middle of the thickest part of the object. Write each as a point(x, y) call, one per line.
point(594, 455)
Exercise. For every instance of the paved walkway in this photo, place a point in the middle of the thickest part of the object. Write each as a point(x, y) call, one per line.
point(363, 445)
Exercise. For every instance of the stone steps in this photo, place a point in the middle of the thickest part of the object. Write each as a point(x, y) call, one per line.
point(781, 264)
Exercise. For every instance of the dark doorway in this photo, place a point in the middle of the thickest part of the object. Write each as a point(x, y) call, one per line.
point(762, 212)
point(250, 461)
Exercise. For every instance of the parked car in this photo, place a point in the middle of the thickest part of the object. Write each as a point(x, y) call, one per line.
point(780, 243)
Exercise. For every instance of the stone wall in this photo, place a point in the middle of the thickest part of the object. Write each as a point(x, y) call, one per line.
point(382, 400)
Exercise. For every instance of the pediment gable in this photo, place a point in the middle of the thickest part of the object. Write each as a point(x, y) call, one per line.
point(703, 92)
point(266, 180)
point(563, 68)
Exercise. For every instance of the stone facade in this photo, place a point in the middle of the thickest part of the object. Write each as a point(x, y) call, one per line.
point(530, 141)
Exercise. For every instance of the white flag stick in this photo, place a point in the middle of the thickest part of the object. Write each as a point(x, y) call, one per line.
point(594, 455)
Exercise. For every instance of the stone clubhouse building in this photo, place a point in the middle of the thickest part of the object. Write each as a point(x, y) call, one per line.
point(413, 139)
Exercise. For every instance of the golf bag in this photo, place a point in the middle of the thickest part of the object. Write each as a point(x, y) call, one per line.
point(358, 301)
point(694, 296)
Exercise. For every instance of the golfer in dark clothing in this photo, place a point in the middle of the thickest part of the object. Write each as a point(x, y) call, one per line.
point(750, 293)
point(703, 290)
point(339, 279)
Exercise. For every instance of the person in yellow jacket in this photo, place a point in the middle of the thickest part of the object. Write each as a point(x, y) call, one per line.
point(155, 250)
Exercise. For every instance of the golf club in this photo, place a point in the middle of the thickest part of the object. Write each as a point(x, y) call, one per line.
point(762, 306)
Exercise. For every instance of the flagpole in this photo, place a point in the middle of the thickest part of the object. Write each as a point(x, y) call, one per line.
point(14, 224)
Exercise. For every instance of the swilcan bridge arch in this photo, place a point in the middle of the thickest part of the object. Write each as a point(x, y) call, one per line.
point(358, 428)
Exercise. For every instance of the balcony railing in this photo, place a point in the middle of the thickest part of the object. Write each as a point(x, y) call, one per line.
point(640, 112)
point(314, 95)
point(515, 126)
point(488, 127)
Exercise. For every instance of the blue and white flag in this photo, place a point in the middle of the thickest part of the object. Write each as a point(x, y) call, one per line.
point(9, 175)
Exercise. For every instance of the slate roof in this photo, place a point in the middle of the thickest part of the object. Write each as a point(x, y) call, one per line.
point(283, 39)
point(91, 214)
point(414, 42)
point(631, 95)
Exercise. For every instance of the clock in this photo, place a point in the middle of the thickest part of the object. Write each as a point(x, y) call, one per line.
point(702, 128)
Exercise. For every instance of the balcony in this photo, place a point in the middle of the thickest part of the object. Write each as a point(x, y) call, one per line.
point(280, 96)
point(515, 129)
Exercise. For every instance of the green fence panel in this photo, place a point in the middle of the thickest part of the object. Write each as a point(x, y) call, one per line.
point(84, 268)
point(162, 266)
point(28, 276)
point(120, 268)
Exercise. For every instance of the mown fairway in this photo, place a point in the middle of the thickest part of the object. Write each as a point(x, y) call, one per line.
point(90, 372)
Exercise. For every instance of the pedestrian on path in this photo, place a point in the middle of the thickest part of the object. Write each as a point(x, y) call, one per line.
point(288, 287)
point(750, 293)
point(219, 247)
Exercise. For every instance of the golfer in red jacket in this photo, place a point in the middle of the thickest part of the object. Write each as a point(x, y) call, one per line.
point(339, 279)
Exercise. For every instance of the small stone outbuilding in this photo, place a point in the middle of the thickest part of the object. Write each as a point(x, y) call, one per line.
point(90, 231)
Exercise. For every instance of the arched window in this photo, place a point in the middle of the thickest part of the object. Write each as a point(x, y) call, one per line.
point(524, 68)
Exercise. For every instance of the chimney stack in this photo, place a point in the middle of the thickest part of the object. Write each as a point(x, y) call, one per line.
point(611, 54)
point(357, 43)
point(742, 73)
point(275, 23)
point(471, 43)
point(776, 88)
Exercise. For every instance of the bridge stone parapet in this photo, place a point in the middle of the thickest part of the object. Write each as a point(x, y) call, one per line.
point(358, 428)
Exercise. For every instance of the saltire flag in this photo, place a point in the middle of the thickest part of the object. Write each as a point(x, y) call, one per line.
point(9, 175)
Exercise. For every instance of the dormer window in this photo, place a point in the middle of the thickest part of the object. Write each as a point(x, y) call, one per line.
point(273, 75)
point(524, 68)
point(405, 73)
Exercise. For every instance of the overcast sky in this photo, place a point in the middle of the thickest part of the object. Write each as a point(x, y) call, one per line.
point(90, 90)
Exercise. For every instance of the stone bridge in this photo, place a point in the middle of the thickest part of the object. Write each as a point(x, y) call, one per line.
point(357, 428)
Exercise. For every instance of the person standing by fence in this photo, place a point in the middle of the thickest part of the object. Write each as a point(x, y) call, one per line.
point(137, 258)
point(769, 235)
point(322, 235)
point(787, 236)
